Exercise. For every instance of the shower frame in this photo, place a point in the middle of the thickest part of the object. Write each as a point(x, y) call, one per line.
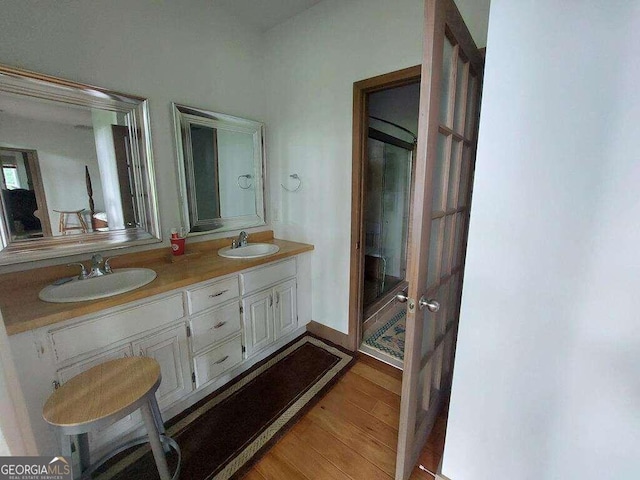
point(410, 148)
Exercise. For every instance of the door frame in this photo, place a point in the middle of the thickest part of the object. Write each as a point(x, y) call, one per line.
point(361, 91)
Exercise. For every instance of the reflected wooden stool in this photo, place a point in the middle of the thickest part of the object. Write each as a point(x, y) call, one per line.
point(100, 396)
point(63, 228)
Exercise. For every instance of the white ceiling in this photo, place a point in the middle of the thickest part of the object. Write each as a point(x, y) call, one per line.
point(264, 14)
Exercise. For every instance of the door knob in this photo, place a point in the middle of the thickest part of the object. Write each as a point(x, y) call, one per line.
point(402, 298)
point(432, 305)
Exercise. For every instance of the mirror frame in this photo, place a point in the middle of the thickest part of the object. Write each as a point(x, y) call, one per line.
point(185, 116)
point(136, 110)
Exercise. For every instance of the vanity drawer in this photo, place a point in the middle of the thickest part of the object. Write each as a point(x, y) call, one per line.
point(99, 332)
point(214, 325)
point(213, 294)
point(266, 276)
point(215, 362)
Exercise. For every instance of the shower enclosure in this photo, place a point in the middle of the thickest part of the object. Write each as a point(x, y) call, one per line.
point(386, 215)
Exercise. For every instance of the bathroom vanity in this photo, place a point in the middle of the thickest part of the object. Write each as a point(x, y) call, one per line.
point(205, 320)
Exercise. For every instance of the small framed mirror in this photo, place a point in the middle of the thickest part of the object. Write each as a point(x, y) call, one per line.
point(77, 169)
point(221, 165)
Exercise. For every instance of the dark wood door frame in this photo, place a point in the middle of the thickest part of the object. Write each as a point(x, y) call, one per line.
point(361, 91)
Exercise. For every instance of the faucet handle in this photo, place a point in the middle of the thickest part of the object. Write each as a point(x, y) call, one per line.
point(107, 267)
point(84, 273)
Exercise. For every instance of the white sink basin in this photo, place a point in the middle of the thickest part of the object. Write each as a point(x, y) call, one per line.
point(120, 281)
point(252, 250)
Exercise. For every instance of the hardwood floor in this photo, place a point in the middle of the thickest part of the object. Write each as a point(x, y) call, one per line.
point(350, 434)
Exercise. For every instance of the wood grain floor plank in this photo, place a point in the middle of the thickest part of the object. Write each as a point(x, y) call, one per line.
point(253, 474)
point(338, 439)
point(376, 376)
point(273, 467)
point(386, 414)
point(349, 412)
point(343, 456)
point(371, 449)
point(359, 398)
point(307, 460)
point(381, 366)
point(359, 383)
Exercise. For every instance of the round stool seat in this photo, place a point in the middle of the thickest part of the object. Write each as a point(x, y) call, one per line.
point(104, 394)
point(111, 389)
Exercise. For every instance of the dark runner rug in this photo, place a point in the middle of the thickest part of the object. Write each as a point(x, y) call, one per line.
point(228, 431)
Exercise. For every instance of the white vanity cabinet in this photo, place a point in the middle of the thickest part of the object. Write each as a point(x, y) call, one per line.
point(272, 313)
point(202, 335)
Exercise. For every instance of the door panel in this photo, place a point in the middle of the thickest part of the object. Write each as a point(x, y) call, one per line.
point(170, 349)
point(286, 312)
point(258, 321)
point(451, 73)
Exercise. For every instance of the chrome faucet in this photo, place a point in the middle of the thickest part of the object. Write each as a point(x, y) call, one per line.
point(243, 237)
point(99, 267)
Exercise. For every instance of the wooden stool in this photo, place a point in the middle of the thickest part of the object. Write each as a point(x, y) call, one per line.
point(104, 394)
point(63, 228)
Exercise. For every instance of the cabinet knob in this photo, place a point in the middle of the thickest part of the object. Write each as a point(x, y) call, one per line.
point(220, 324)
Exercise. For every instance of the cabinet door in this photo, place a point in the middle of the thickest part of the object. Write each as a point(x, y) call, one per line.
point(286, 313)
point(258, 321)
point(170, 349)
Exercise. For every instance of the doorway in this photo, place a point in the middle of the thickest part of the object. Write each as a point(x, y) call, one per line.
point(24, 204)
point(385, 136)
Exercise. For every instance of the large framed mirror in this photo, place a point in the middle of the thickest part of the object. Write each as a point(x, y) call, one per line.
point(221, 165)
point(77, 168)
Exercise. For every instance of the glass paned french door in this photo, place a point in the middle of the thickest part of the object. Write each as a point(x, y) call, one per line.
point(444, 165)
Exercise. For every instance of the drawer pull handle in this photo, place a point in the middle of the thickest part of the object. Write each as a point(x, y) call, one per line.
point(221, 324)
point(222, 360)
point(213, 295)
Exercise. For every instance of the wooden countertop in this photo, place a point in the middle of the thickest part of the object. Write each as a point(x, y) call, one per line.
point(22, 310)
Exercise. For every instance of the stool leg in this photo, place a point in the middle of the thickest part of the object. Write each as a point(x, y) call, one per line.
point(61, 224)
point(83, 224)
point(154, 440)
point(65, 446)
point(83, 447)
point(157, 418)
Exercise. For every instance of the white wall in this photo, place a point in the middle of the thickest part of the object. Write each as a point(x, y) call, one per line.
point(311, 63)
point(546, 381)
point(189, 52)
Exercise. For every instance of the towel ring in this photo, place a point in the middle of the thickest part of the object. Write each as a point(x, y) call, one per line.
point(248, 185)
point(295, 176)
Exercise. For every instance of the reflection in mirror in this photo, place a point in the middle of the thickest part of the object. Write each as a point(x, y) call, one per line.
point(221, 164)
point(77, 173)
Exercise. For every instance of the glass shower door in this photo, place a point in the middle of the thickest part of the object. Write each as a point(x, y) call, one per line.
point(386, 214)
